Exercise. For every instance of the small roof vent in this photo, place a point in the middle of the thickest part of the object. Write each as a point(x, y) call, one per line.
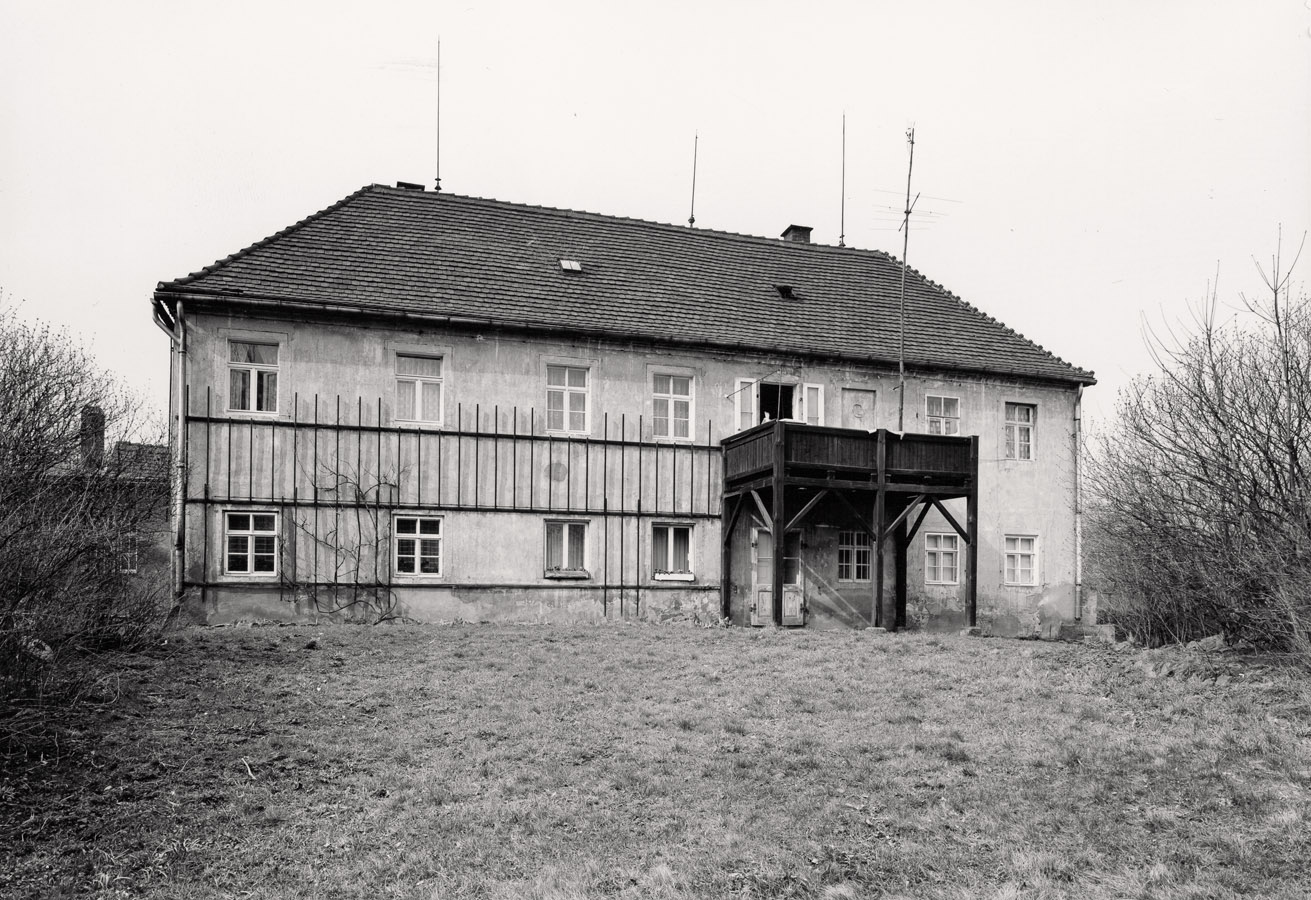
point(798, 234)
point(570, 265)
point(786, 292)
point(409, 186)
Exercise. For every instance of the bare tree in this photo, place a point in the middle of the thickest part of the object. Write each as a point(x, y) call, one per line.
point(68, 509)
point(1200, 497)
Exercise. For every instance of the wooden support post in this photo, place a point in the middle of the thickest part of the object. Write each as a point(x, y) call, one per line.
point(902, 542)
point(732, 509)
point(972, 539)
point(880, 499)
point(779, 524)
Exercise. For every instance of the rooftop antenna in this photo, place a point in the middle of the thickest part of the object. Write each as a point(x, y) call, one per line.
point(905, 246)
point(438, 185)
point(691, 216)
point(842, 215)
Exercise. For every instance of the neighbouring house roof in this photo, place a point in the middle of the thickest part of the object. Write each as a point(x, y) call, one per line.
point(394, 251)
point(143, 462)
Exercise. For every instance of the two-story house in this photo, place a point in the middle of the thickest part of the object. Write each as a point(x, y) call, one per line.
point(420, 405)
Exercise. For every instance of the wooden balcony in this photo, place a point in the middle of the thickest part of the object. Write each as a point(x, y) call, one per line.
point(849, 458)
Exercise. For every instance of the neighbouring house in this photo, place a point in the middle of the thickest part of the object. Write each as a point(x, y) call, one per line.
point(427, 406)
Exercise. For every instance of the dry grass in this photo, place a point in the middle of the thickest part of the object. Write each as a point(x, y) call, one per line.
point(553, 763)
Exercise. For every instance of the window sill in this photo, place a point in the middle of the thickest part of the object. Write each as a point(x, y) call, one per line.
point(942, 583)
point(254, 413)
point(673, 576)
point(567, 575)
point(417, 424)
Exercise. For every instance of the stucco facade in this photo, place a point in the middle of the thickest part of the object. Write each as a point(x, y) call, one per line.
point(426, 406)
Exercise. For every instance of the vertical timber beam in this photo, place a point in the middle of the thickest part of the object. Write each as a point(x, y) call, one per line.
point(880, 499)
point(902, 541)
point(779, 524)
point(972, 531)
point(727, 522)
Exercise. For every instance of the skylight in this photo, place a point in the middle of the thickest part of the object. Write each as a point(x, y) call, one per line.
point(571, 265)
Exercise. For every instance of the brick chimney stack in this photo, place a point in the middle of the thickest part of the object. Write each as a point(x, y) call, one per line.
point(798, 234)
point(93, 436)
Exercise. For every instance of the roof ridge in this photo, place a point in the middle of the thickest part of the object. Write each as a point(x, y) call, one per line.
point(651, 223)
point(247, 250)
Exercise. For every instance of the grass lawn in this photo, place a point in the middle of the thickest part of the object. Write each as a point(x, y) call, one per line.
point(637, 761)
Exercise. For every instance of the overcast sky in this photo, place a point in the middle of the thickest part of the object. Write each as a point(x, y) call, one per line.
point(1084, 166)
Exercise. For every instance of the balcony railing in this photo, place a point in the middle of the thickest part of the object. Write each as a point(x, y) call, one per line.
point(847, 454)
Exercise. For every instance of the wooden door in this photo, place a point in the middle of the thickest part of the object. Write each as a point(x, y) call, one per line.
point(762, 577)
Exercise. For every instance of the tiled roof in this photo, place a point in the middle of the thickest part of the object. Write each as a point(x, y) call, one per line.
point(398, 251)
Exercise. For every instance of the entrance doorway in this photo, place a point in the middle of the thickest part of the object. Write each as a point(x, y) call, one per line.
point(762, 579)
point(776, 401)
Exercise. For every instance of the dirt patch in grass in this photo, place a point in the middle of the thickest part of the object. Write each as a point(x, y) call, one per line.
point(633, 761)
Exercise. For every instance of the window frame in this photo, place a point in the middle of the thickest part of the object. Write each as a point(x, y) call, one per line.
point(1006, 569)
point(420, 386)
point(855, 548)
point(397, 536)
point(1011, 447)
point(669, 574)
point(565, 573)
point(659, 372)
point(254, 370)
point(250, 533)
point(930, 419)
point(566, 390)
point(954, 551)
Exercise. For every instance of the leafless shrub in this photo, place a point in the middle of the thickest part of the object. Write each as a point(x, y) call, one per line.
point(1200, 494)
point(69, 511)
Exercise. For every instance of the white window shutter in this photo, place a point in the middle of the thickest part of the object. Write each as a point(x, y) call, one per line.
point(744, 404)
point(812, 404)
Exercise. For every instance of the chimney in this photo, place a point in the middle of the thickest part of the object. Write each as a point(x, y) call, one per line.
point(798, 234)
point(93, 436)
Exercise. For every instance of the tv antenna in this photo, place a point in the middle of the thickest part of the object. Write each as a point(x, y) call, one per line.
point(905, 247)
point(438, 185)
point(691, 216)
point(842, 213)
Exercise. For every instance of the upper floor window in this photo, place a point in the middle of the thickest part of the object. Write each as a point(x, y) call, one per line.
point(941, 558)
point(251, 543)
point(762, 401)
point(671, 406)
point(566, 398)
point(252, 376)
point(1020, 419)
point(418, 388)
point(942, 414)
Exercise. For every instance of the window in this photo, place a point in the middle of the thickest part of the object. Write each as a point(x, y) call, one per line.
point(566, 398)
point(566, 543)
point(127, 553)
point(763, 401)
point(854, 556)
point(671, 552)
point(1021, 559)
point(941, 558)
point(252, 543)
point(942, 414)
point(418, 541)
point(252, 376)
point(671, 406)
point(1019, 430)
point(419, 388)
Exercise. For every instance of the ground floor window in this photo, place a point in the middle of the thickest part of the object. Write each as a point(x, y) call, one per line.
point(566, 545)
point(854, 556)
point(1021, 559)
point(941, 558)
point(418, 542)
point(671, 552)
point(251, 540)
